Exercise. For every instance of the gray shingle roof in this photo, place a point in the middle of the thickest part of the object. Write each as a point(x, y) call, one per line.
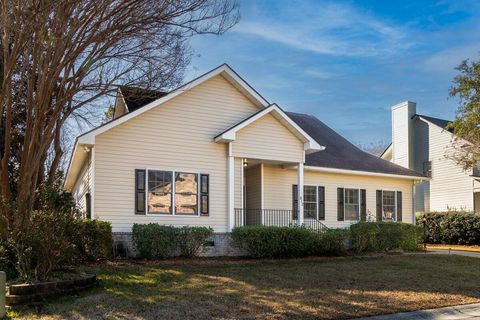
point(436, 121)
point(340, 153)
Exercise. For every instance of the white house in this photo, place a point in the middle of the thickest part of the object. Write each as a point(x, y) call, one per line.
point(215, 153)
point(423, 144)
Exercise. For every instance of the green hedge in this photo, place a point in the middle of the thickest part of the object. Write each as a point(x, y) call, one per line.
point(453, 227)
point(93, 239)
point(285, 242)
point(155, 241)
point(385, 236)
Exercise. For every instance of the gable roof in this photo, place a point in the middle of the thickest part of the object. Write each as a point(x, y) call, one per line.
point(224, 70)
point(136, 98)
point(341, 154)
point(436, 121)
point(310, 144)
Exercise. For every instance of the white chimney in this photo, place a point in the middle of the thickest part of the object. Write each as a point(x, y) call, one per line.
point(402, 133)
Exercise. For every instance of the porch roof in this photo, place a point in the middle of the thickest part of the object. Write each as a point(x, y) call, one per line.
point(310, 144)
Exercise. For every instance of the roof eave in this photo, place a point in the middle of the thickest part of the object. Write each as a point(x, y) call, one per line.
point(366, 173)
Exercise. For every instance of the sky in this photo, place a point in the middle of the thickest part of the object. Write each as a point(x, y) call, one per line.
point(347, 62)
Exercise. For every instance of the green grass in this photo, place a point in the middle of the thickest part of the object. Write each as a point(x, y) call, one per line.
point(329, 288)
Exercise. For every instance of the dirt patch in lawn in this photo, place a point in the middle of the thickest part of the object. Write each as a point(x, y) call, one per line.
point(319, 288)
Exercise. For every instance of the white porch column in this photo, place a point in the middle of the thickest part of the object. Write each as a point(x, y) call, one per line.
point(300, 193)
point(230, 182)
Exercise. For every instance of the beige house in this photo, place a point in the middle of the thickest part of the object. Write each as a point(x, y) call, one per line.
point(423, 143)
point(215, 153)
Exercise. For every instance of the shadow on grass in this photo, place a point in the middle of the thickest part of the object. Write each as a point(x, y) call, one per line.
point(330, 288)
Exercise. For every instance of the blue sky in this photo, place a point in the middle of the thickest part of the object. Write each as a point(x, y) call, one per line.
point(347, 62)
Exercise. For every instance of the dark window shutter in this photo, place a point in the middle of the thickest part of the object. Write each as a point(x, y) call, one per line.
point(363, 205)
point(294, 201)
point(321, 203)
point(340, 209)
point(379, 205)
point(204, 194)
point(399, 206)
point(88, 205)
point(140, 191)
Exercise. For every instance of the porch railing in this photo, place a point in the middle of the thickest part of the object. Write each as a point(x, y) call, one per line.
point(274, 217)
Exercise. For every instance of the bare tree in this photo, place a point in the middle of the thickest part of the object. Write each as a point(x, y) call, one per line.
point(375, 148)
point(69, 53)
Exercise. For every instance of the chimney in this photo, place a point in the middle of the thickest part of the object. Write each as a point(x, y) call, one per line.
point(402, 133)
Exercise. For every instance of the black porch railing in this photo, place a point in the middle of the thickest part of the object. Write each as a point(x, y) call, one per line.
point(274, 217)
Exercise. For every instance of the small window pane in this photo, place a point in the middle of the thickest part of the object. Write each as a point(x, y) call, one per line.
point(140, 180)
point(140, 201)
point(204, 183)
point(159, 191)
point(204, 204)
point(186, 193)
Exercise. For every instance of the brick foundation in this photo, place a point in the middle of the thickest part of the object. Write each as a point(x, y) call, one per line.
point(220, 245)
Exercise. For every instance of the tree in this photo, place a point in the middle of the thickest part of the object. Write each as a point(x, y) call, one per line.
point(466, 125)
point(374, 148)
point(57, 60)
point(64, 55)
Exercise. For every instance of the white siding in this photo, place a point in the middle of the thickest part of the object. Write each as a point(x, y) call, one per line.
point(83, 186)
point(450, 187)
point(268, 139)
point(177, 135)
point(278, 191)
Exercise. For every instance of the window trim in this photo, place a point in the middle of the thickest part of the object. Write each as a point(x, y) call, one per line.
point(345, 204)
point(316, 201)
point(174, 214)
point(395, 206)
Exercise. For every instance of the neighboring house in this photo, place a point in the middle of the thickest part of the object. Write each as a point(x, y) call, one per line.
point(215, 153)
point(423, 144)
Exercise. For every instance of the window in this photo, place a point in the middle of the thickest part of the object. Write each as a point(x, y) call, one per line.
point(352, 204)
point(204, 198)
point(186, 193)
point(427, 168)
point(171, 192)
point(310, 202)
point(388, 206)
point(88, 205)
point(313, 202)
point(159, 198)
point(139, 191)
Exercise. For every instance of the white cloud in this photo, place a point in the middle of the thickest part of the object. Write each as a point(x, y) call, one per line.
point(326, 28)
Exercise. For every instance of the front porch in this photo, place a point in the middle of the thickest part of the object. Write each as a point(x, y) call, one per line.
point(257, 189)
point(275, 218)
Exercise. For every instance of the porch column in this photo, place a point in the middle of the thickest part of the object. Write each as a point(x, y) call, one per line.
point(300, 193)
point(230, 187)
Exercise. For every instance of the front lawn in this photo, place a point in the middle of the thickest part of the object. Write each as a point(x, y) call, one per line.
point(325, 288)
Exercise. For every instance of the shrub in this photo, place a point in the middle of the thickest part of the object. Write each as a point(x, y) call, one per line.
point(160, 242)
point(93, 239)
point(285, 242)
point(7, 262)
point(191, 239)
point(333, 242)
point(274, 242)
point(385, 236)
point(453, 227)
point(155, 241)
